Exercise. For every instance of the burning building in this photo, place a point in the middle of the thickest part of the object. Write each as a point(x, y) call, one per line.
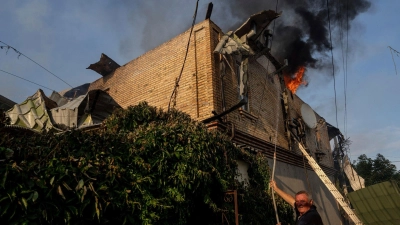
point(232, 82)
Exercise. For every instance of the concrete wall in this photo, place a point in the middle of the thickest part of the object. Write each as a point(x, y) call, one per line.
point(292, 179)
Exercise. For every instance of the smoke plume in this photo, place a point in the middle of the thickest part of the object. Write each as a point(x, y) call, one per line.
point(301, 34)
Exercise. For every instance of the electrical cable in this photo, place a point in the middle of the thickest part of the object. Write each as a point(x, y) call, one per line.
point(268, 62)
point(346, 68)
point(276, 132)
point(20, 53)
point(339, 9)
point(333, 66)
point(184, 61)
point(391, 52)
point(26, 80)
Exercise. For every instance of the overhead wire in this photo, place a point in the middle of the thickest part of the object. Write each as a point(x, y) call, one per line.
point(20, 53)
point(344, 49)
point(346, 68)
point(184, 61)
point(333, 66)
point(268, 63)
point(276, 130)
point(391, 52)
point(26, 80)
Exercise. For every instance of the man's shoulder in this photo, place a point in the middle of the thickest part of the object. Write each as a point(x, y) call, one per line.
point(312, 217)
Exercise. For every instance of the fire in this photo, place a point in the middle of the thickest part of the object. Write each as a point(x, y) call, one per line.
point(292, 83)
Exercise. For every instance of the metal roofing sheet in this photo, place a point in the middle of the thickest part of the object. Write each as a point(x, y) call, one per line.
point(262, 19)
point(32, 113)
point(377, 204)
point(84, 110)
point(60, 100)
point(40, 112)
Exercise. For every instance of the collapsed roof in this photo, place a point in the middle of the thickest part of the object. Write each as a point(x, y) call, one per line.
point(84, 110)
point(40, 113)
point(251, 37)
point(33, 112)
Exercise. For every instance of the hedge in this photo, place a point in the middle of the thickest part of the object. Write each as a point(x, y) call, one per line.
point(142, 166)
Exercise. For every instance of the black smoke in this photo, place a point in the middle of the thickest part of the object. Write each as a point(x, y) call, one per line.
point(301, 34)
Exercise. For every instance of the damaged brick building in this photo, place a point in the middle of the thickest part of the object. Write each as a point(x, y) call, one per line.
point(232, 83)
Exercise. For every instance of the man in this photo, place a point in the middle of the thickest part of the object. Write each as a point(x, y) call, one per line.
point(306, 212)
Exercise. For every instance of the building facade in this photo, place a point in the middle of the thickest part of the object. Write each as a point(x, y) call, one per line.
point(218, 77)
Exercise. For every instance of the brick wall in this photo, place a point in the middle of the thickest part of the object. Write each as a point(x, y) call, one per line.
point(151, 77)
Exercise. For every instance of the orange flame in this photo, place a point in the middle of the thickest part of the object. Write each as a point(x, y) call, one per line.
point(292, 83)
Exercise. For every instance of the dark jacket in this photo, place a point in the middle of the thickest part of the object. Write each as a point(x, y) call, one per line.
point(311, 217)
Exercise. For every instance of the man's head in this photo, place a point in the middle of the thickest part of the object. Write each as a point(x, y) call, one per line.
point(303, 202)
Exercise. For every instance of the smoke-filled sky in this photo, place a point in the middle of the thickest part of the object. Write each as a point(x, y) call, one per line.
point(65, 37)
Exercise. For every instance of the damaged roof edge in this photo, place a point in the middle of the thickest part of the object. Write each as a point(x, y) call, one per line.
point(104, 66)
point(332, 131)
point(262, 20)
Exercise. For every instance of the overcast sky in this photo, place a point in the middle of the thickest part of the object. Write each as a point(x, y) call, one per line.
point(65, 37)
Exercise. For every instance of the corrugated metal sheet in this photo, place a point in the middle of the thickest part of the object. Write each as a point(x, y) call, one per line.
point(356, 181)
point(32, 113)
point(40, 113)
point(377, 204)
point(59, 99)
point(84, 110)
point(75, 92)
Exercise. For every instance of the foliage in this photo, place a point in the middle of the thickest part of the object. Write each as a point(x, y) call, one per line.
point(376, 170)
point(4, 120)
point(143, 166)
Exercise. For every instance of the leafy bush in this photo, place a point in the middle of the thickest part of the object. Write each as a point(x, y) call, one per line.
point(143, 166)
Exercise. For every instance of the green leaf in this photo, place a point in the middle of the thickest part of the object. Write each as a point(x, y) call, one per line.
point(73, 210)
point(84, 193)
point(66, 186)
point(80, 185)
point(35, 196)
point(4, 198)
point(4, 209)
point(67, 217)
point(60, 192)
point(96, 204)
point(52, 180)
point(3, 181)
point(24, 203)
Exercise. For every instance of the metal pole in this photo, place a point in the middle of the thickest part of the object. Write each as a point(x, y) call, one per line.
point(236, 207)
point(273, 191)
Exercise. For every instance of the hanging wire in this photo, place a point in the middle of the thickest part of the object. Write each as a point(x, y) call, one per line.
point(173, 95)
point(268, 63)
point(26, 80)
point(344, 50)
point(333, 66)
point(346, 68)
point(20, 53)
point(276, 130)
point(397, 53)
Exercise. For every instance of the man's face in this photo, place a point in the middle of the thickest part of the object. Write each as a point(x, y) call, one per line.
point(302, 203)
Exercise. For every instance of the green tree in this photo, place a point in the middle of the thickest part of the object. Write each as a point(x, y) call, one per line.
point(4, 120)
point(376, 170)
point(143, 166)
